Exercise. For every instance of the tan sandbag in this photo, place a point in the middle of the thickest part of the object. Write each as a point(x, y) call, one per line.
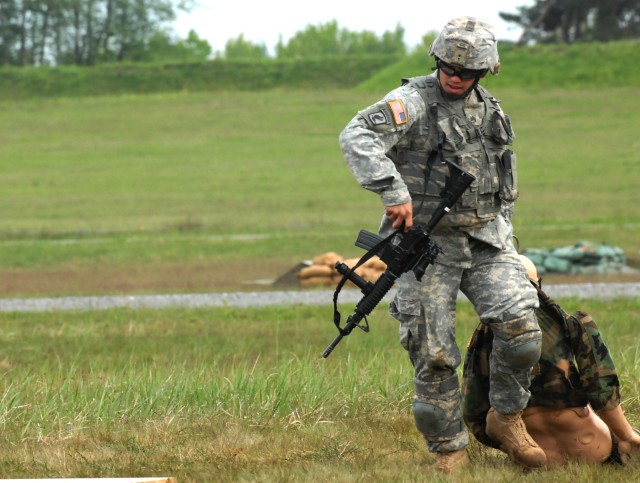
point(370, 274)
point(376, 263)
point(316, 282)
point(336, 280)
point(329, 258)
point(360, 270)
point(350, 262)
point(373, 262)
point(316, 271)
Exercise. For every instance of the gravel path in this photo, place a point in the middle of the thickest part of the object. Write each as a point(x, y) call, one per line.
point(262, 299)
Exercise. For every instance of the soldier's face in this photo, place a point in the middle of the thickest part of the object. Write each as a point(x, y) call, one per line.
point(453, 85)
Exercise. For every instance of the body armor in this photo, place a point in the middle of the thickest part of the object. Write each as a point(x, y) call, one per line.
point(476, 141)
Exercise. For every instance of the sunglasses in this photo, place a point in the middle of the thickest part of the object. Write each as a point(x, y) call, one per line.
point(463, 74)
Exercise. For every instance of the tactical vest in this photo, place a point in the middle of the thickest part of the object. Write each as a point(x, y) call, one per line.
point(479, 149)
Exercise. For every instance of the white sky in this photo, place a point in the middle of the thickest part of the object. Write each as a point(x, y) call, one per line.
point(265, 21)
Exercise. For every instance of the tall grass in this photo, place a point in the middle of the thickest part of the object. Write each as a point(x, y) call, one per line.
point(239, 395)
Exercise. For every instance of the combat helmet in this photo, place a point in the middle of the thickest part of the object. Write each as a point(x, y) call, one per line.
point(469, 43)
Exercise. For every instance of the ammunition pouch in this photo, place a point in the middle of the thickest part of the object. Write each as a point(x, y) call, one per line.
point(508, 176)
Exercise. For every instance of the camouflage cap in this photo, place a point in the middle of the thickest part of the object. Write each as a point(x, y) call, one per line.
point(469, 43)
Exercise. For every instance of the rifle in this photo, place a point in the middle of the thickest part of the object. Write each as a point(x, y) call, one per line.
point(402, 252)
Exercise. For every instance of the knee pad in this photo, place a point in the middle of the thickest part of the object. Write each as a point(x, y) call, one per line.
point(524, 355)
point(430, 420)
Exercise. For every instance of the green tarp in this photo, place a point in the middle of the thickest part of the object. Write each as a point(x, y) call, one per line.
point(582, 258)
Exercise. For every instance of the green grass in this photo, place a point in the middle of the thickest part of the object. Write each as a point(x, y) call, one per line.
point(245, 185)
point(257, 179)
point(239, 395)
point(537, 68)
point(168, 161)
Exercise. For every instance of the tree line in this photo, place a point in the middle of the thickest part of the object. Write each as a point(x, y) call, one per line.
point(90, 32)
point(569, 21)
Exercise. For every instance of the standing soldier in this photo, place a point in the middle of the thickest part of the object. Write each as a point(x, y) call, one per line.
point(396, 148)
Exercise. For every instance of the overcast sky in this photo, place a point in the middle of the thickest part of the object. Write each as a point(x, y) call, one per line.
point(265, 21)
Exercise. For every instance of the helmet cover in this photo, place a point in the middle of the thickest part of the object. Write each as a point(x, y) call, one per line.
point(468, 43)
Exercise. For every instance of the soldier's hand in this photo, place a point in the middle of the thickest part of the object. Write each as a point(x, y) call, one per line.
point(399, 214)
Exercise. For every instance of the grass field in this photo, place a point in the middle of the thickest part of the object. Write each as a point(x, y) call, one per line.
point(209, 191)
point(240, 395)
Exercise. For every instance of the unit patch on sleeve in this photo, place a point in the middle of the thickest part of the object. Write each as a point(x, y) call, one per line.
point(399, 113)
point(378, 117)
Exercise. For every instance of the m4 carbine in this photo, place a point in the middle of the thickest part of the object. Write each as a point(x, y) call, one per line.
point(413, 250)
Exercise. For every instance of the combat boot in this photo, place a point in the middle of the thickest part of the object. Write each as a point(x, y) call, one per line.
point(510, 432)
point(447, 463)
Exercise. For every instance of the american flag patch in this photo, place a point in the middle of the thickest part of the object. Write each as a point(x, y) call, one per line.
point(399, 114)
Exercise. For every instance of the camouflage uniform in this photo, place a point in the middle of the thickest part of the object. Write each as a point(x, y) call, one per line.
point(575, 367)
point(393, 149)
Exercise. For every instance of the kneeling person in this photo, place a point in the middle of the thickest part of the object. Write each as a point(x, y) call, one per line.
point(574, 411)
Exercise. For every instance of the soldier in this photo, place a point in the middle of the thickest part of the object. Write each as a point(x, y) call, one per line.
point(574, 412)
point(396, 148)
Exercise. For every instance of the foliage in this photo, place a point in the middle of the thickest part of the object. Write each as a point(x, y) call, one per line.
point(535, 67)
point(47, 32)
point(163, 48)
point(215, 75)
point(69, 32)
point(330, 40)
point(241, 49)
point(567, 21)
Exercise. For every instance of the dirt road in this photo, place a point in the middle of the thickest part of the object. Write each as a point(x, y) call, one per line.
point(258, 299)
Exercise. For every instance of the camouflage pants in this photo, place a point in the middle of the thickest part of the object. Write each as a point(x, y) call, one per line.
point(495, 281)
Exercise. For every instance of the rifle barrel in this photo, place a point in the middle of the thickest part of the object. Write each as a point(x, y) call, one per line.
point(327, 352)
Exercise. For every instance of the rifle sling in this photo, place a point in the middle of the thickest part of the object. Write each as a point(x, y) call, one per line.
point(366, 257)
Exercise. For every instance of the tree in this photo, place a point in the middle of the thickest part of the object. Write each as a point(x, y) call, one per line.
point(83, 32)
point(162, 47)
point(9, 31)
point(617, 19)
point(567, 21)
point(241, 49)
point(194, 47)
point(133, 24)
point(329, 39)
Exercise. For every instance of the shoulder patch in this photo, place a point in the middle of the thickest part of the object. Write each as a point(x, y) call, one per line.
point(399, 113)
point(378, 117)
